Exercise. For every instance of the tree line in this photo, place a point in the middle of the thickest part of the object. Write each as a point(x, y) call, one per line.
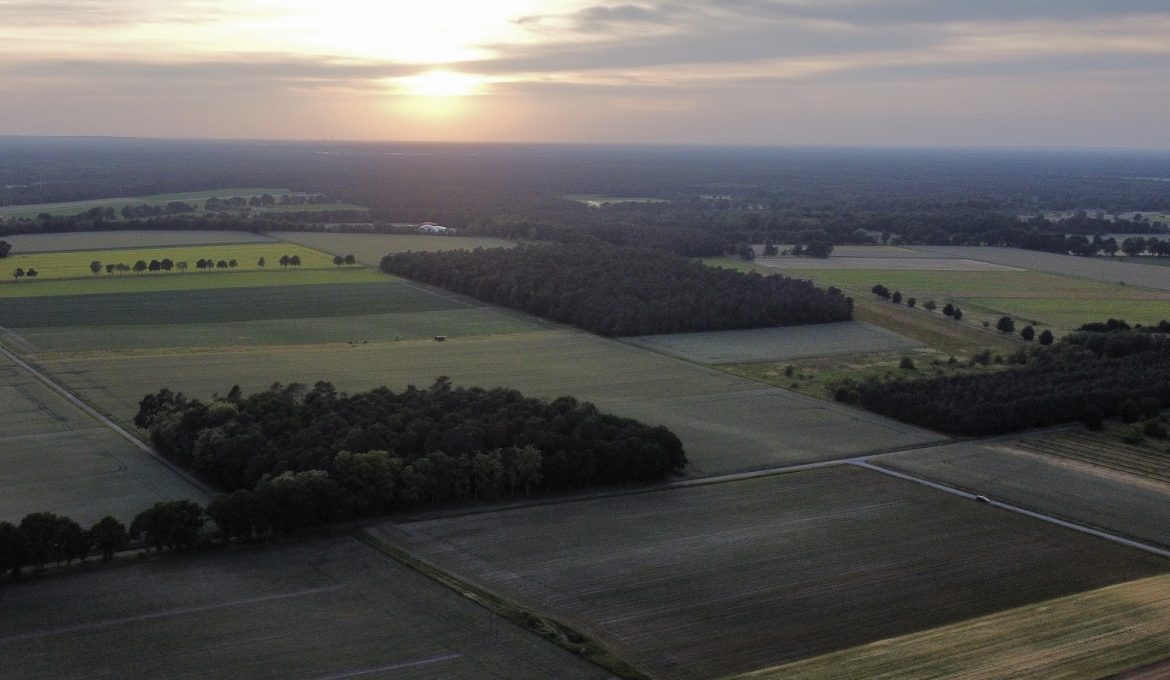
point(616, 291)
point(374, 451)
point(1086, 376)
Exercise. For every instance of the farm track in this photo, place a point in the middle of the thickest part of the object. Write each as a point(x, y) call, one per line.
point(1099, 450)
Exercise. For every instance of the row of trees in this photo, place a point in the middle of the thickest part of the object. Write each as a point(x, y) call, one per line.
point(1086, 376)
point(948, 310)
point(44, 538)
point(618, 291)
point(20, 272)
point(417, 446)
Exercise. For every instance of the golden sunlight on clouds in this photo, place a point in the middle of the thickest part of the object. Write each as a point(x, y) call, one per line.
point(440, 84)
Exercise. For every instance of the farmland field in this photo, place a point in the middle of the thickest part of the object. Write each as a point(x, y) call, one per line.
point(303, 330)
point(75, 264)
point(719, 579)
point(1094, 268)
point(369, 248)
point(726, 423)
point(107, 240)
point(191, 280)
point(329, 608)
point(773, 344)
point(1062, 302)
point(78, 207)
point(1095, 634)
point(1079, 492)
point(53, 457)
point(227, 304)
point(944, 264)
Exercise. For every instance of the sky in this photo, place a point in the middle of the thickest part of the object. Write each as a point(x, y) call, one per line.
point(966, 73)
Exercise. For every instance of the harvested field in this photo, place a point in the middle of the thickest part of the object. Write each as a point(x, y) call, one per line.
point(148, 283)
point(107, 240)
point(315, 609)
point(774, 344)
point(719, 579)
point(886, 262)
point(227, 304)
point(53, 457)
point(1014, 473)
point(1088, 635)
point(369, 248)
point(1103, 450)
point(1095, 268)
point(727, 423)
point(74, 264)
point(456, 323)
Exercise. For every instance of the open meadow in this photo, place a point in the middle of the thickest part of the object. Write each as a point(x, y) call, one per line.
point(131, 239)
point(1014, 472)
point(911, 263)
point(726, 423)
point(54, 457)
point(325, 608)
point(369, 248)
point(1061, 302)
point(1105, 270)
point(711, 580)
point(1095, 634)
point(775, 344)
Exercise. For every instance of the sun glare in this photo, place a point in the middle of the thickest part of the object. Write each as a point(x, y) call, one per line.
point(440, 84)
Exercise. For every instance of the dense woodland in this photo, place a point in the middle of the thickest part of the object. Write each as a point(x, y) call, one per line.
point(379, 450)
point(1087, 376)
point(616, 291)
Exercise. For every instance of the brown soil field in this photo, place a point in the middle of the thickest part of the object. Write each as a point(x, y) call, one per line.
point(711, 580)
point(319, 609)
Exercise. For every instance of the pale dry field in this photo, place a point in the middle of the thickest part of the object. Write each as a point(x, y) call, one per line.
point(1095, 268)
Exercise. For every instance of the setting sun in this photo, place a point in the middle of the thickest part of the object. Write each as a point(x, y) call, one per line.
point(441, 84)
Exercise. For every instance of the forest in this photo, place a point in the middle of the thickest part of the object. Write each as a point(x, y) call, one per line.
point(616, 291)
point(1086, 376)
point(375, 451)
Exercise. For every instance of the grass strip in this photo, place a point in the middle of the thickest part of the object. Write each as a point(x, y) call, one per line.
point(546, 627)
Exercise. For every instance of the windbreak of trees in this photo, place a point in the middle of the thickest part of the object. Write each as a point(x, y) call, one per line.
point(379, 450)
point(616, 291)
point(1086, 377)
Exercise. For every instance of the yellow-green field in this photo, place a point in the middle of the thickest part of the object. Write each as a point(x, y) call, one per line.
point(75, 264)
point(190, 280)
point(30, 211)
point(1088, 635)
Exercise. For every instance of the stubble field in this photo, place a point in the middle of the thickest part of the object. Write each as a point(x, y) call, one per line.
point(720, 579)
point(318, 609)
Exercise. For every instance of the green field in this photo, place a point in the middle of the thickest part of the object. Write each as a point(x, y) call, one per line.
point(75, 264)
point(325, 608)
point(726, 423)
point(226, 304)
point(78, 207)
point(108, 240)
point(191, 280)
point(1062, 302)
point(369, 248)
point(720, 579)
point(453, 323)
point(1095, 634)
point(55, 457)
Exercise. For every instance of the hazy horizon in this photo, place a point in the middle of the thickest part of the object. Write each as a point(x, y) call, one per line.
point(847, 73)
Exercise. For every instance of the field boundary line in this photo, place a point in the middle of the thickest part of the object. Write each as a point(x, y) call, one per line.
point(104, 420)
point(393, 667)
point(946, 488)
point(543, 626)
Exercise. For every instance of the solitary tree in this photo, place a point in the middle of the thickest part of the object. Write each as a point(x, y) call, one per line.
point(18, 274)
point(31, 273)
point(109, 535)
point(910, 302)
point(1027, 332)
point(167, 264)
point(140, 266)
point(896, 298)
point(1045, 337)
point(154, 266)
point(5, 248)
point(957, 314)
point(1005, 324)
point(338, 260)
point(284, 260)
point(222, 264)
point(295, 260)
point(95, 267)
point(260, 262)
point(929, 305)
point(350, 259)
point(233, 263)
point(949, 309)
